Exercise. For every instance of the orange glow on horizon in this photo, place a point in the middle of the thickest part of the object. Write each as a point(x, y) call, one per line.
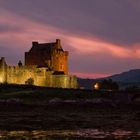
point(90, 75)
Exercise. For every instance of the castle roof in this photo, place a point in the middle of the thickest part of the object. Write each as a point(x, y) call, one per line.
point(46, 47)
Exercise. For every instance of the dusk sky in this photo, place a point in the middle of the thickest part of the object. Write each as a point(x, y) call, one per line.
point(102, 36)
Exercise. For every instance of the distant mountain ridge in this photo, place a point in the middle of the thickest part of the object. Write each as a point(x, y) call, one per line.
point(128, 78)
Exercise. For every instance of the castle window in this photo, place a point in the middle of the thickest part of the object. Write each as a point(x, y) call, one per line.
point(61, 66)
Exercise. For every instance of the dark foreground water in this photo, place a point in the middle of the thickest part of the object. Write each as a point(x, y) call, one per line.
point(69, 134)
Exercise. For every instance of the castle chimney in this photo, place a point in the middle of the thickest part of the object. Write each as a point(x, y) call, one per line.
point(58, 41)
point(34, 43)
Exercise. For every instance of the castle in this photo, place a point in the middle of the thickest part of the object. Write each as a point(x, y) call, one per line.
point(46, 64)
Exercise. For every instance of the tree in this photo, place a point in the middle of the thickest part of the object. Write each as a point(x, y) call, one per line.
point(29, 81)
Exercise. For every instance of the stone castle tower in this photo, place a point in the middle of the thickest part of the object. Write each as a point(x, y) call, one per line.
point(45, 65)
point(49, 55)
point(3, 70)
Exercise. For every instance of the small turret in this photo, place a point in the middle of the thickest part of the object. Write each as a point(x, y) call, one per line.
point(20, 63)
point(3, 70)
point(2, 62)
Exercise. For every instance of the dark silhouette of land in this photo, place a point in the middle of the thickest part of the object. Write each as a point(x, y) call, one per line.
point(29, 108)
point(125, 79)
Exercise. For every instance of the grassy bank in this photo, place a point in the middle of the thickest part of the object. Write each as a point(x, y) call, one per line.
point(32, 94)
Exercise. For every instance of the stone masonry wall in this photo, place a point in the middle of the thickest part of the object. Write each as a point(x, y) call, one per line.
point(59, 62)
point(40, 76)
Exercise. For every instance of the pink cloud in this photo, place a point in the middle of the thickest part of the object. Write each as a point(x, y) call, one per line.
point(42, 32)
point(95, 45)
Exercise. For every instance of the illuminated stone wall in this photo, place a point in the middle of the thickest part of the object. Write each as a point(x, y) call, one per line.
point(40, 76)
point(21, 75)
point(59, 61)
point(64, 81)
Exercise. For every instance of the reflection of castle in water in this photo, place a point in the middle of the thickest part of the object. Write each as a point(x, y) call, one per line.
point(46, 64)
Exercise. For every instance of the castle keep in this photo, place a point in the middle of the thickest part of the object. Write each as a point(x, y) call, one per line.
point(46, 64)
point(50, 55)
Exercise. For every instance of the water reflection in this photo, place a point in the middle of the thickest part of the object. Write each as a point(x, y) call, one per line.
point(69, 134)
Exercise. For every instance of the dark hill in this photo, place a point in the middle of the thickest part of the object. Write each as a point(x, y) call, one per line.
point(129, 76)
point(125, 79)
